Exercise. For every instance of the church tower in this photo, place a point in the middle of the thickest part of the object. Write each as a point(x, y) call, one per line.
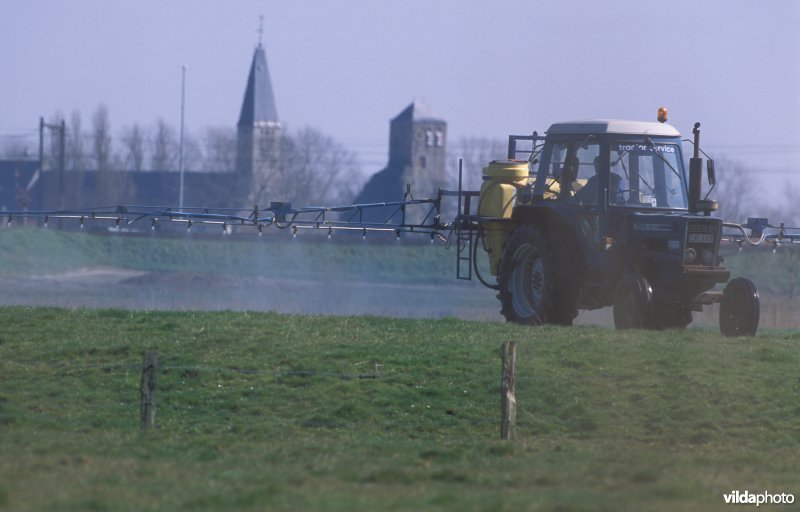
point(417, 157)
point(417, 146)
point(258, 130)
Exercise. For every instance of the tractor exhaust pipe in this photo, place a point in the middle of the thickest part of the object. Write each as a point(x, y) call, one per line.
point(695, 172)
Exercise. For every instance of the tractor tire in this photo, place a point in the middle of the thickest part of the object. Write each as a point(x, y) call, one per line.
point(740, 308)
point(527, 278)
point(633, 303)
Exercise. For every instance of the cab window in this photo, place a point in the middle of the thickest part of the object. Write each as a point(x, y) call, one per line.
point(584, 189)
point(646, 175)
point(548, 182)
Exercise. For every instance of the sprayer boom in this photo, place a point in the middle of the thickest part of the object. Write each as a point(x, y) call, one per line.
point(407, 216)
point(761, 233)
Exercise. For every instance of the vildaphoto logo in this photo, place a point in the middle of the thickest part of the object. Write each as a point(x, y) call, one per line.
point(757, 499)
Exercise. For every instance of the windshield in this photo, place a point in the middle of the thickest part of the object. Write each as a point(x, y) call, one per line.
point(647, 175)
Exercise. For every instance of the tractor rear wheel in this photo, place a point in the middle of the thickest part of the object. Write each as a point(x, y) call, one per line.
point(633, 303)
point(740, 308)
point(526, 277)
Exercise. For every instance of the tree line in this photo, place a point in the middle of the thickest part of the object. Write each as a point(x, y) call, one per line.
point(312, 167)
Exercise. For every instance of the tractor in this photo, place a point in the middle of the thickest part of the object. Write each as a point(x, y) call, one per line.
point(601, 213)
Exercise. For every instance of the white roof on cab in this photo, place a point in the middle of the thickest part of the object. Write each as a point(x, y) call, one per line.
point(613, 126)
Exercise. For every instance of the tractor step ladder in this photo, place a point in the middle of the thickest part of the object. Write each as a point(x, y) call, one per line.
point(465, 236)
point(464, 254)
point(464, 229)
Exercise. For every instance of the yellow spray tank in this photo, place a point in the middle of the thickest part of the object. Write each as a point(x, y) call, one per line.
point(501, 179)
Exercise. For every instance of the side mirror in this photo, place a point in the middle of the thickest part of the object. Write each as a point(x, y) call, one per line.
point(712, 176)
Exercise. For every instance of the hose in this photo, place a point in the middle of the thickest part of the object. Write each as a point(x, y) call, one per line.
point(475, 260)
point(744, 234)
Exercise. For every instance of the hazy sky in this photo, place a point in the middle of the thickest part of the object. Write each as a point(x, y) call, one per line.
point(348, 66)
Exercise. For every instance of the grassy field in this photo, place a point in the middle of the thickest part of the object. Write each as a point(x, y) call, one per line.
point(267, 412)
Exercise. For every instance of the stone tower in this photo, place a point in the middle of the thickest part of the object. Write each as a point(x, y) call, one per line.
point(417, 145)
point(258, 130)
point(417, 157)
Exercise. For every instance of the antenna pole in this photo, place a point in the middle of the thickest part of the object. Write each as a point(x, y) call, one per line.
point(180, 157)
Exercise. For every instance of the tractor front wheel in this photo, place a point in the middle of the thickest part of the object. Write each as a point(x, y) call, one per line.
point(633, 303)
point(740, 308)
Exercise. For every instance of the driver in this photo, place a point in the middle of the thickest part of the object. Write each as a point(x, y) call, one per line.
point(588, 193)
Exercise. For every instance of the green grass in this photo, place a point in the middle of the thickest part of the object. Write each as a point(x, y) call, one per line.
point(266, 412)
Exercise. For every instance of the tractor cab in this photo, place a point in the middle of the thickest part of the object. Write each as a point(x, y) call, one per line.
point(625, 164)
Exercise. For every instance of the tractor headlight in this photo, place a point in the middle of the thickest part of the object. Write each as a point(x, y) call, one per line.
point(708, 256)
point(689, 255)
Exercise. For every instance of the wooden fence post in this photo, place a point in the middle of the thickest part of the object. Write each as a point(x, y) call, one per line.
point(508, 403)
point(147, 391)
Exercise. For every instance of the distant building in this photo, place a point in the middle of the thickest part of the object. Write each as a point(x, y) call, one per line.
point(258, 132)
point(24, 186)
point(417, 152)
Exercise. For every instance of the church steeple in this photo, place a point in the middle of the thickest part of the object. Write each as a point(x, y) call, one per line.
point(259, 132)
point(259, 102)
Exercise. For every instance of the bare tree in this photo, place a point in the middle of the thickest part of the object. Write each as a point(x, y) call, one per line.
point(76, 162)
point(111, 186)
point(734, 191)
point(313, 169)
point(476, 153)
point(193, 155)
point(165, 148)
point(219, 146)
point(101, 152)
point(134, 149)
point(787, 211)
point(101, 139)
